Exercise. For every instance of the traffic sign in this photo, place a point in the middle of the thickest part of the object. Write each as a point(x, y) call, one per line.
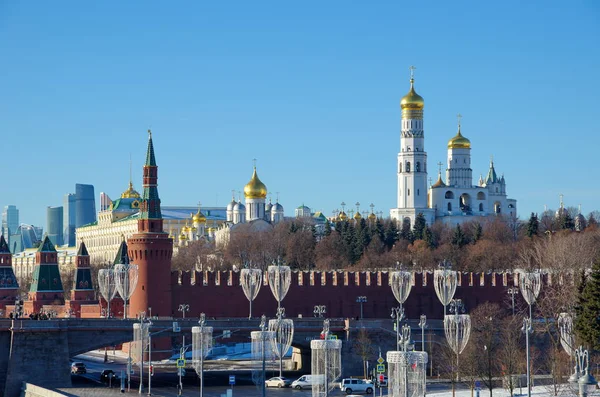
point(380, 368)
point(232, 380)
point(180, 363)
point(380, 360)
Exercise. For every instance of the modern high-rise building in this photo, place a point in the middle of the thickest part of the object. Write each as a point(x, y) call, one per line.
point(10, 221)
point(85, 204)
point(69, 214)
point(105, 201)
point(54, 225)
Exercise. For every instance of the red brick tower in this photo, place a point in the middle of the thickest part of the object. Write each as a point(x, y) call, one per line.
point(46, 286)
point(9, 288)
point(151, 249)
point(83, 288)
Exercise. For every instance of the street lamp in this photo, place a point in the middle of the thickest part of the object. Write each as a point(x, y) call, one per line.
point(397, 315)
point(530, 285)
point(361, 300)
point(512, 291)
point(444, 282)
point(457, 328)
point(319, 310)
point(183, 308)
point(586, 382)
point(201, 345)
point(261, 350)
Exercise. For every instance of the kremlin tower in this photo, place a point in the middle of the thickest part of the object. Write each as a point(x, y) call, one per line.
point(151, 249)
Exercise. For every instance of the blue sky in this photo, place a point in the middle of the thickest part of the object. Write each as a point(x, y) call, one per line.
point(310, 89)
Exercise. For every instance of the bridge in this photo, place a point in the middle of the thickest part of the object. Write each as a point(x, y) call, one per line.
point(40, 350)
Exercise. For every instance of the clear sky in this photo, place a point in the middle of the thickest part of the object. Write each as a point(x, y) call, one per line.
point(310, 89)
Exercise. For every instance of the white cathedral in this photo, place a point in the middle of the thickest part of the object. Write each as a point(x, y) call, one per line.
point(259, 214)
point(454, 201)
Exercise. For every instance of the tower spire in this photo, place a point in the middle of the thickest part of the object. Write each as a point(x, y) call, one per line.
point(150, 206)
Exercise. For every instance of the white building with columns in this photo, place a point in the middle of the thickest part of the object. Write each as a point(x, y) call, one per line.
point(455, 200)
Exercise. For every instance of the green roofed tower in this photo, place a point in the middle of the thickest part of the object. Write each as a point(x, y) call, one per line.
point(150, 219)
point(46, 285)
point(9, 287)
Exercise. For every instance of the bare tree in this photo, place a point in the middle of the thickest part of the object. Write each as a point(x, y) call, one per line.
point(509, 353)
point(364, 348)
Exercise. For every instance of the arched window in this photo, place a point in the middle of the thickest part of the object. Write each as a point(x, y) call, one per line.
point(408, 166)
point(496, 189)
point(480, 207)
point(511, 206)
point(449, 206)
point(418, 169)
point(449, 195)
point(481, 196)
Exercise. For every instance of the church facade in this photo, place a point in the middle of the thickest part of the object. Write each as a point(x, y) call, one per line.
point(454, 200)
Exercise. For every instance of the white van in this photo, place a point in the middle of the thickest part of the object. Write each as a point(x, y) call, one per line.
point(306, 381)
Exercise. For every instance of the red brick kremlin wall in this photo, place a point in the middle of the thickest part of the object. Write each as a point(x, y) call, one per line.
point(219, 294)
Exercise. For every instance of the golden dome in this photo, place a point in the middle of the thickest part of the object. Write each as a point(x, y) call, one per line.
point(372, 216)
point(198, 217)
point(182, 237)
point(255, 188)
point(130, 192)
point(412, 100)
point(185, 229)
point(194, 229)
point(459, 142)
point(357, 216)
point(342, 216)
point(439, 182)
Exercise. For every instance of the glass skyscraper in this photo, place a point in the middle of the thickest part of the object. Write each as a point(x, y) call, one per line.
point(85, 204)
point(54, 225)
point(10, 221)
point(69, 214)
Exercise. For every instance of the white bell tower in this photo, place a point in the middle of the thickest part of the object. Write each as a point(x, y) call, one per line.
point(412, 160)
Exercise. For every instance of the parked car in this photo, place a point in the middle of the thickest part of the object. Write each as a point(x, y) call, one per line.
point(108, 375)
point(305, 381)
point(351, 385)
point(78, 368)
point(278, 381)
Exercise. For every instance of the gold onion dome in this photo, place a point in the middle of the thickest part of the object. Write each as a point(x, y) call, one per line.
point(182, 237)
point(372, 216)
point(130, 192)
point(185, 229)
point(255, 188)
point(342, 216)
point(459, 142)
point(412, 100)
point(357, 216)
point(199, 217)
point(439, 182)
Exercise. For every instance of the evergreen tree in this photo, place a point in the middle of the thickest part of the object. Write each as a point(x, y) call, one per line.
point(533, 225)
point(327, 230)
point(419, 227)
point(350, 242)
point(429, 238)
point(459, 239)
point(565, 221)
point(477, 233)
point(405, 232)
point(390, 234)
point(591, 220)
point(379, 230)
point(587, 321)
point(293, 227)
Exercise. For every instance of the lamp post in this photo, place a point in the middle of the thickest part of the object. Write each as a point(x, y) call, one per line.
point(319, 310)
point(397, 315)
point(361, 300)
point(201, 345)
point(423, 325)
point(457, 328)
point(183, 308)
point(512, 291)
point(530, 285)
point(445, 281)
point(586, 382)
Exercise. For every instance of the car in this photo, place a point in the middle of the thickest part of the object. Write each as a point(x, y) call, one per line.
point(108, 376)
point(352, 385)
point(278, 381)
point(306, 381)
point(78, 368)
